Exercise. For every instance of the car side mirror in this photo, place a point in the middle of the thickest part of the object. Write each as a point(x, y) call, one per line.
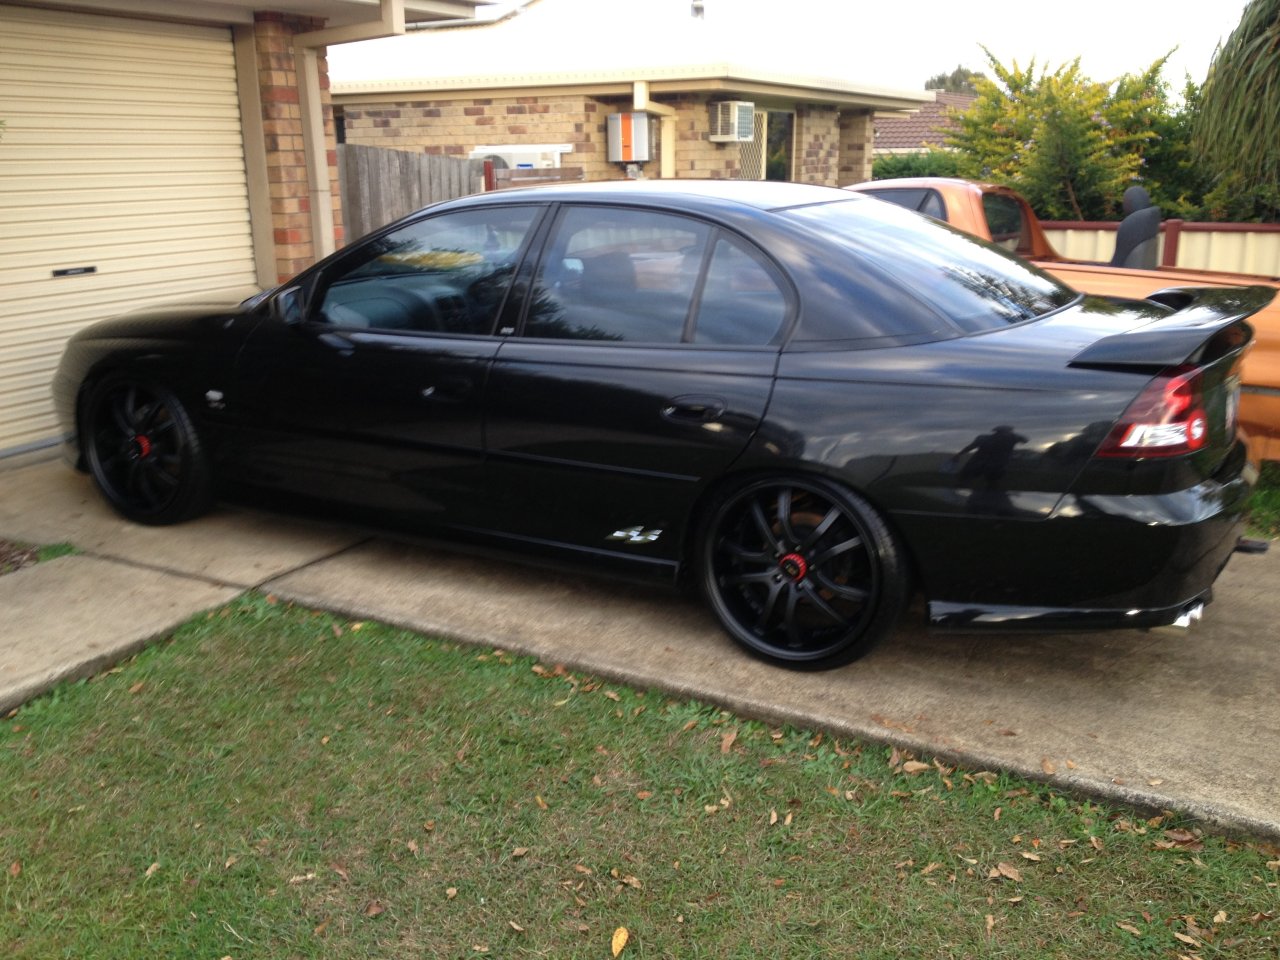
point(289, 306)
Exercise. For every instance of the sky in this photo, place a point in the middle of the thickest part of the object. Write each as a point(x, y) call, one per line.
point(886, 44)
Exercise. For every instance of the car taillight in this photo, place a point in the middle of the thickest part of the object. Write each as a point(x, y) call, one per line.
point(1166, 420)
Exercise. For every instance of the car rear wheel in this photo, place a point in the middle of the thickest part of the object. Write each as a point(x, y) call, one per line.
point(802, 572)
point(144, 452)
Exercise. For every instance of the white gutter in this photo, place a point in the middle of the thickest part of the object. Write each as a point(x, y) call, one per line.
point(390, 23)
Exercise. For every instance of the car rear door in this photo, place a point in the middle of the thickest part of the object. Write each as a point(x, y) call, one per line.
point(642, 369)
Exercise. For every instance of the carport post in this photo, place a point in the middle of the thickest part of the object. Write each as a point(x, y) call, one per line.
point(306, 47)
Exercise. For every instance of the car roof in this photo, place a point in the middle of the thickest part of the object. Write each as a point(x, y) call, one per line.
point(758, 194)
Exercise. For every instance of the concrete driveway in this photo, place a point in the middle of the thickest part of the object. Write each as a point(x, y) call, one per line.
point(1186, 722)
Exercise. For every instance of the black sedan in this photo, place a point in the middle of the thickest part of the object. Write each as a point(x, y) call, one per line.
point(809, 403)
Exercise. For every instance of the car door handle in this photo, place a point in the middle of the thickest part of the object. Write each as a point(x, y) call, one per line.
point(693, 409)
point(450, 390)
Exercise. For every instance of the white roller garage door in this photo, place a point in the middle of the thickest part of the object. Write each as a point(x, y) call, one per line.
point(122, 183)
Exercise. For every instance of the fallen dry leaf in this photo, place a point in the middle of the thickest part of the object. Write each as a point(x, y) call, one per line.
point(450, 893)
point(643, 794)
point(1185, 939)
point(373, 908)
point(321, 927)
point(1129, 928)
point(137, 687)
point(912, 767)
point(413, 847)
point(582, 869)
point(542, 804)
point(1096, 843)
point(726, 742)
point(153, 868)
point(1220, 917)
point(519, 852)
point(15, 868)
point(1048, 766)
point(1009, 871)
point(1027, 855)
point(302, 878)
point(515, 926)
point(612, 696)
point(619, 941)
point(773, 817)
point(991, 923)
point(929, 869)
point(340, 870)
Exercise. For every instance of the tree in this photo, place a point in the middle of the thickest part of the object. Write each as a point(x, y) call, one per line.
point(1237, 132)
point(1069, 144)
point(959, 80)
point(930, 163)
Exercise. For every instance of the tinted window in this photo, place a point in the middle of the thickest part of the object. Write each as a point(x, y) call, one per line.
point(972, 284)
point(742, 300)
point(446, 274)
point(932, 206)
point(614, 274)
point(1006, 223)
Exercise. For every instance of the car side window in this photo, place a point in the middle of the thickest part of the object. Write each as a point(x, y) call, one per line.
point(742, 300)
point(1005, 221)
point(920, 199)
point(617, 274)
point(445, 274)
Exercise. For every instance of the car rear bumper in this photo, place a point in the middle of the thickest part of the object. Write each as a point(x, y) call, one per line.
point(1099, 562)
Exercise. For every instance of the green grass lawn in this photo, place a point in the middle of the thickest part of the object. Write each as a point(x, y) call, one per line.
point(1264, 506)
point(278, 783)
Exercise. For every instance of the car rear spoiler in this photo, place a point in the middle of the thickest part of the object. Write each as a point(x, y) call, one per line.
point(1199, 315)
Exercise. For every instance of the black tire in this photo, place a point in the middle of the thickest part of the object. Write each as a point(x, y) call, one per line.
point(801, 572)
point(144, 453)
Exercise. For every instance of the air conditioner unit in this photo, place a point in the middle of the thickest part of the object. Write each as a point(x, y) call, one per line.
point(733, 121)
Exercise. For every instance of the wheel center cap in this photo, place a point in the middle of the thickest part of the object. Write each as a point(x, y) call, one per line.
point(142, 445)
point(794, 566)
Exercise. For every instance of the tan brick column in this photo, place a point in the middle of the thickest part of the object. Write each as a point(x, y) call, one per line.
point(282, 130)
point(856, 133)
point(817, 144)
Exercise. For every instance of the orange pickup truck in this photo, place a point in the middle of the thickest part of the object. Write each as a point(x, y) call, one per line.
point(1001, 215)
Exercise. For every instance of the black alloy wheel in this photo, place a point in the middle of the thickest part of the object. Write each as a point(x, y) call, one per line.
point(802, 572)
point(144, 453)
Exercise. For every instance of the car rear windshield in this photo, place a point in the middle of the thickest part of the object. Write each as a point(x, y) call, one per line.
point(969, 282)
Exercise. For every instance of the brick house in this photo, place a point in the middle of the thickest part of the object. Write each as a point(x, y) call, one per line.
point(154, 151)
point(491, 89)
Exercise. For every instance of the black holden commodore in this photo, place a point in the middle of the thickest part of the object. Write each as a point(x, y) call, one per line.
point(809, 403)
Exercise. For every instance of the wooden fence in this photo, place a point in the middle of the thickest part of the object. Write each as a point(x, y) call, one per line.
point(380, 185)
point(1235, 247)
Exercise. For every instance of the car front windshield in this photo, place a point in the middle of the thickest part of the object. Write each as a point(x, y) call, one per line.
point(973, 284)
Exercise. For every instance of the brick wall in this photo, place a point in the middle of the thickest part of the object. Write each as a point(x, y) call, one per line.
point(696, 155)
point(817, 144)
point(282, 129)
point(453, 127)
point(825, 142)
point(855, 147)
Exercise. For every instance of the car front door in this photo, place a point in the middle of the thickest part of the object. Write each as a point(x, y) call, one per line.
point(374, 395)
point(643, 367)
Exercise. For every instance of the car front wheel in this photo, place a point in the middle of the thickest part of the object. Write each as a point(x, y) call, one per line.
point(144, 452)
point(801, 571)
